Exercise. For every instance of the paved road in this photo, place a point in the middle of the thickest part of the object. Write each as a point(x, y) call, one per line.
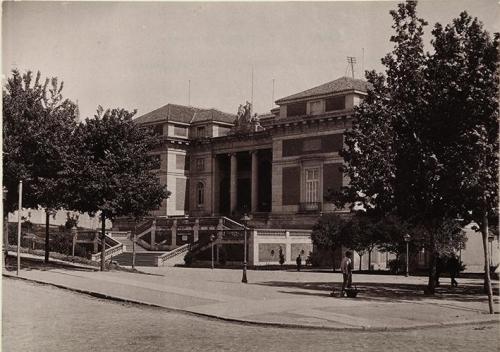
point(43, 318)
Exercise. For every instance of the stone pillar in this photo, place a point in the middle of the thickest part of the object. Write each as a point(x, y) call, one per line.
point(96, 242)
point(255, 181)
point(233, 183)
point(288, 250)
point(74, 234)
point(153, 236)
point(174, 234)
point(196, 228)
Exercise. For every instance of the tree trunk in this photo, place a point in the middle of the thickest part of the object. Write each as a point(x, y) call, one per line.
point(47, 239)
point(431, 285)
point(360, 259)
point(103, 241)
point(333, 259)
point(370, 260)
point(487, 281)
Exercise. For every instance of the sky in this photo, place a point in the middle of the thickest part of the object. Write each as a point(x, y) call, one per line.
point(142, 55)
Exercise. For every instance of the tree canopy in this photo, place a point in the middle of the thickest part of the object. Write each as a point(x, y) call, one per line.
point(37, 124)
point(423, 145)
point(111, 168)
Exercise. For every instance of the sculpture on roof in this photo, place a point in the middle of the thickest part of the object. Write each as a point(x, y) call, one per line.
point(245, 122)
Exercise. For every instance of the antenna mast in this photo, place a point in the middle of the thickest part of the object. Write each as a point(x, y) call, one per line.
point(251, 99)
point(351, 60)
point(189, 92)
point(272, 102)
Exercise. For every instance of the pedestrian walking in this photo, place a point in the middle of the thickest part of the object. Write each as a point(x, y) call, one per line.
point(453, 266)
point(346, 268)
point(299, 262)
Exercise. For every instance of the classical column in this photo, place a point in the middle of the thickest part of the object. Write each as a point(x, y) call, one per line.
point(255, 181)
point(215, 185)
point(233, 183)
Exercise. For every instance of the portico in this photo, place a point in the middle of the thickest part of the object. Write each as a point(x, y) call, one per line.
point(242, 182)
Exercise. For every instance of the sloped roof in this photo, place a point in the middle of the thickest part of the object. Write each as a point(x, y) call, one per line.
point(184, 114)
point(342, 84)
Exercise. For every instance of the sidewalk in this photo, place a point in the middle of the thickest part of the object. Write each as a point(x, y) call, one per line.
point(284, 298)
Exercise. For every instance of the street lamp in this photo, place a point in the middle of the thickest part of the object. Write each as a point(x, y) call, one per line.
point(212, 238)
point(5, 227)
point(245, 219)
point(19, 226)
point(407, 238)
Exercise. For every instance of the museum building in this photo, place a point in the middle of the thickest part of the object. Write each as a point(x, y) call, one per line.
point(275, 167)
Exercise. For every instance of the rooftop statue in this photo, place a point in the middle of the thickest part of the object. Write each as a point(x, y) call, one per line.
point(245, 122)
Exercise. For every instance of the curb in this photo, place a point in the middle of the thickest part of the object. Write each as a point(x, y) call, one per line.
point(258, 323)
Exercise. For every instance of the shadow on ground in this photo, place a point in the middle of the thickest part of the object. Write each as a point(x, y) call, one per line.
point(386, 291)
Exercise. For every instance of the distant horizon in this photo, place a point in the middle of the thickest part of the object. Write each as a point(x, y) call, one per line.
point(142, 55)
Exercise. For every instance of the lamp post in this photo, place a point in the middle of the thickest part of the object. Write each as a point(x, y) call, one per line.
point(5, 227)
point(212, 238)
point(245, 219)
point(407, 238)
point(19, 226)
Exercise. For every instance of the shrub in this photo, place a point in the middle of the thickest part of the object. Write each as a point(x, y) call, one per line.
point(395, 265)
point(188, 259)
point(314, 259)
point(222, 256)
point(282, 257)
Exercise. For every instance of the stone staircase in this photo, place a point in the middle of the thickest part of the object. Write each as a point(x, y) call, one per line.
point(141, 258)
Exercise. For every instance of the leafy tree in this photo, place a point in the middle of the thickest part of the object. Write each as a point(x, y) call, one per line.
point(464, 88)
point(362, 234)
point(393, 153)
point(37, 125)
point(110, 168)
point(328, 232)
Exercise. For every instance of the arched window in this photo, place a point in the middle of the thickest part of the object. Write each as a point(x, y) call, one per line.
point(200, 194)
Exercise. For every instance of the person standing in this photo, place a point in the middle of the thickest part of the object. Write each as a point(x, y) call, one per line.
point(346, 268)
point(299, 262)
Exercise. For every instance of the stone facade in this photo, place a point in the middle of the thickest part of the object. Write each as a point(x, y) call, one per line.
point(277, 167)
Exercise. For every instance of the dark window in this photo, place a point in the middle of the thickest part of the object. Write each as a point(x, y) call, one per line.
point(296, 109)
point(200, 164)
point(200, 193)
point(335, 103)
point(200, 132)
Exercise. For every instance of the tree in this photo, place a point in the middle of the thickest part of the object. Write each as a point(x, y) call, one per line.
point(392, 155)
point(328, 232)
point(362, 234)
point(464, 82)
point(111, 168)
point(37, 125)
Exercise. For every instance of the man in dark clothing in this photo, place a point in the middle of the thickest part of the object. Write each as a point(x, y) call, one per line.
point(299, 262)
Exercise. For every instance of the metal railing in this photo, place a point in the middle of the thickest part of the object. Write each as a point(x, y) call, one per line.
point(271, 232)
point(231, 224)
point(160, 260)
point(113, 250)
